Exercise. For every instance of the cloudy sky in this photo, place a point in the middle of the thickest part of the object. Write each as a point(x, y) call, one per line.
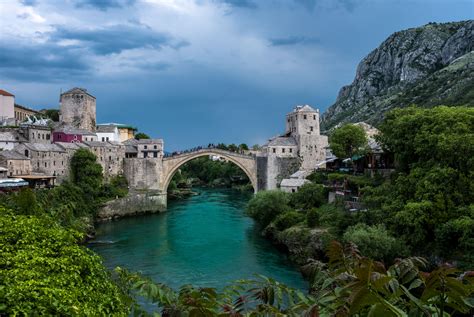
point(199, 71)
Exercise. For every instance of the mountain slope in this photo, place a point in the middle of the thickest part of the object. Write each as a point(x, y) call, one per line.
point(428, 66)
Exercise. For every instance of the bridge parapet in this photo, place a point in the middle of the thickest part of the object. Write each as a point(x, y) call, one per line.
point(215, 151)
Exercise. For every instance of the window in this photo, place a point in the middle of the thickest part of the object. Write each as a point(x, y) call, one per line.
point(291, 150)
point(293, 190)
point(54, 163)
point(314, 117)
point(45, 164)
point(274, 150)
point(283, 150)
point(107, 138)
point(26, 153)
point(145, 147)
point(103, 139)
point(110, 158)
point(145, 154)
point(155, 154)
point(311, 129)
point(47, 136)
point(155, 147)
point(304, 117)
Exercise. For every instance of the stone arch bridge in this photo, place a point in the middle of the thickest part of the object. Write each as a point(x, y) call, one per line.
point(171, 164)
point(149, 178)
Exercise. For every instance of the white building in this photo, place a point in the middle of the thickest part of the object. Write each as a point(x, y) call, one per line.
point(106, 133)
point(7, 107)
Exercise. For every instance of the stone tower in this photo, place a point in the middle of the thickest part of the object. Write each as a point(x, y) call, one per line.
point(303, 125)
point(78, 109)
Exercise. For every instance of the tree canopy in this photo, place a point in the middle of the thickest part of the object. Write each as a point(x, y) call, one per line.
point(141, 136)
point(348, 141)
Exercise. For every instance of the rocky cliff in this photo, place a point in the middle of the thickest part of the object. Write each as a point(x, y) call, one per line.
point(427, 66)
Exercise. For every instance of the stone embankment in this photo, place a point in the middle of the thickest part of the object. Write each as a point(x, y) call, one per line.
point(134, 203)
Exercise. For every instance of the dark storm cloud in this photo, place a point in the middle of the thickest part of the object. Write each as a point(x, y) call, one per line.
point(104, 5)
point(117, 38)
point(293, 40)
point(48, 62)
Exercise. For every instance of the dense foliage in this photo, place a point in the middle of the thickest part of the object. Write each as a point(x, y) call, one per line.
point(141, 136)
point(44, 271)
point(348, 140)
point(348, 285)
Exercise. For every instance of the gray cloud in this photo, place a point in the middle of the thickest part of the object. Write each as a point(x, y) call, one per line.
point(248, 4)
point(348, 5)
point(43, 62)
point(29, 2)
point(104, 5)
point(117, 38)
point(293, 40)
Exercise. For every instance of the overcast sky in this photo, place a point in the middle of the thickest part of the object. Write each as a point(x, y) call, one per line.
point(199, 71)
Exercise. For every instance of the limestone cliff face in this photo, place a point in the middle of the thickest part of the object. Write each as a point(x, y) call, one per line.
point(391, 75)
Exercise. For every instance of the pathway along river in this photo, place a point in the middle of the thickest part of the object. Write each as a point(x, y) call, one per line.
point(205, 240)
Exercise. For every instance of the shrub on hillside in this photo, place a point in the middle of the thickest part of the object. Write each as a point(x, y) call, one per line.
point(44, 272)
point(312, 218)
point(308, 196)
point(265, 206)
point(374, 242)
point(288, 219)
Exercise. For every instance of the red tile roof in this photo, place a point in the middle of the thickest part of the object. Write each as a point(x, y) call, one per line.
point(6, 93)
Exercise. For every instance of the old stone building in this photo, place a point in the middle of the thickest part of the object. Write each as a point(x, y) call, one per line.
point(22, 113)
point(110, 156)
point(7, 103)
point(48, 159)
point(145, 148)
point(78, 109)
point(15, 163)
point(10, 138)
point(303, 125)
point(36, 133)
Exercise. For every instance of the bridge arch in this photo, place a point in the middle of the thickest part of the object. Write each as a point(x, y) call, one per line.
point(245, 162)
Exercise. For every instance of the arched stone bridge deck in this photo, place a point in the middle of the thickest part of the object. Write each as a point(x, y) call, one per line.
point(248, 163)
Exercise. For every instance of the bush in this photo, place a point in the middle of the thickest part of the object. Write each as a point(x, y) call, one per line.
point(288, 219)
point(312, 218)
point(308, 196)
point(117, 187)
point(265, 206)
point(45, 273)
point(374, 242)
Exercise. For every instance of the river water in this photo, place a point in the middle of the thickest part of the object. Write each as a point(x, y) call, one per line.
point(205, 240)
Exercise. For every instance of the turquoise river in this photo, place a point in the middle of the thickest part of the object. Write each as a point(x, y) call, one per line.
point(205, 240)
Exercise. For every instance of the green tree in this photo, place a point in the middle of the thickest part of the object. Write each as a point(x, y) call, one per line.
point(233, 148)
point(44, 272)
point(265, 206)
point(243, 147)
point(141, 136)
point(348, 140)
point(308, 196)
point(288, 219)
point(374, 242)
point(52, 114)
point(86, 173)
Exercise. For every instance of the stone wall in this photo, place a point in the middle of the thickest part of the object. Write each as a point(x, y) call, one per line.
point(143, 173)
point(134, 203)
point(78, 109)
point(280, 168)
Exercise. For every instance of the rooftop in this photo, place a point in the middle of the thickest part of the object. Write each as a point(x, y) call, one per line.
point(12, 155)
point(293, 182)
point(44, 147)
point(282, 141)
point(304, 108)
point(72, 130)
point(106, 128)
point(6, 93)
point(77, 90)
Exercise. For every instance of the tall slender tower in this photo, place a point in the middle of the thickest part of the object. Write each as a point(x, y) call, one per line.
point(78, 109)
